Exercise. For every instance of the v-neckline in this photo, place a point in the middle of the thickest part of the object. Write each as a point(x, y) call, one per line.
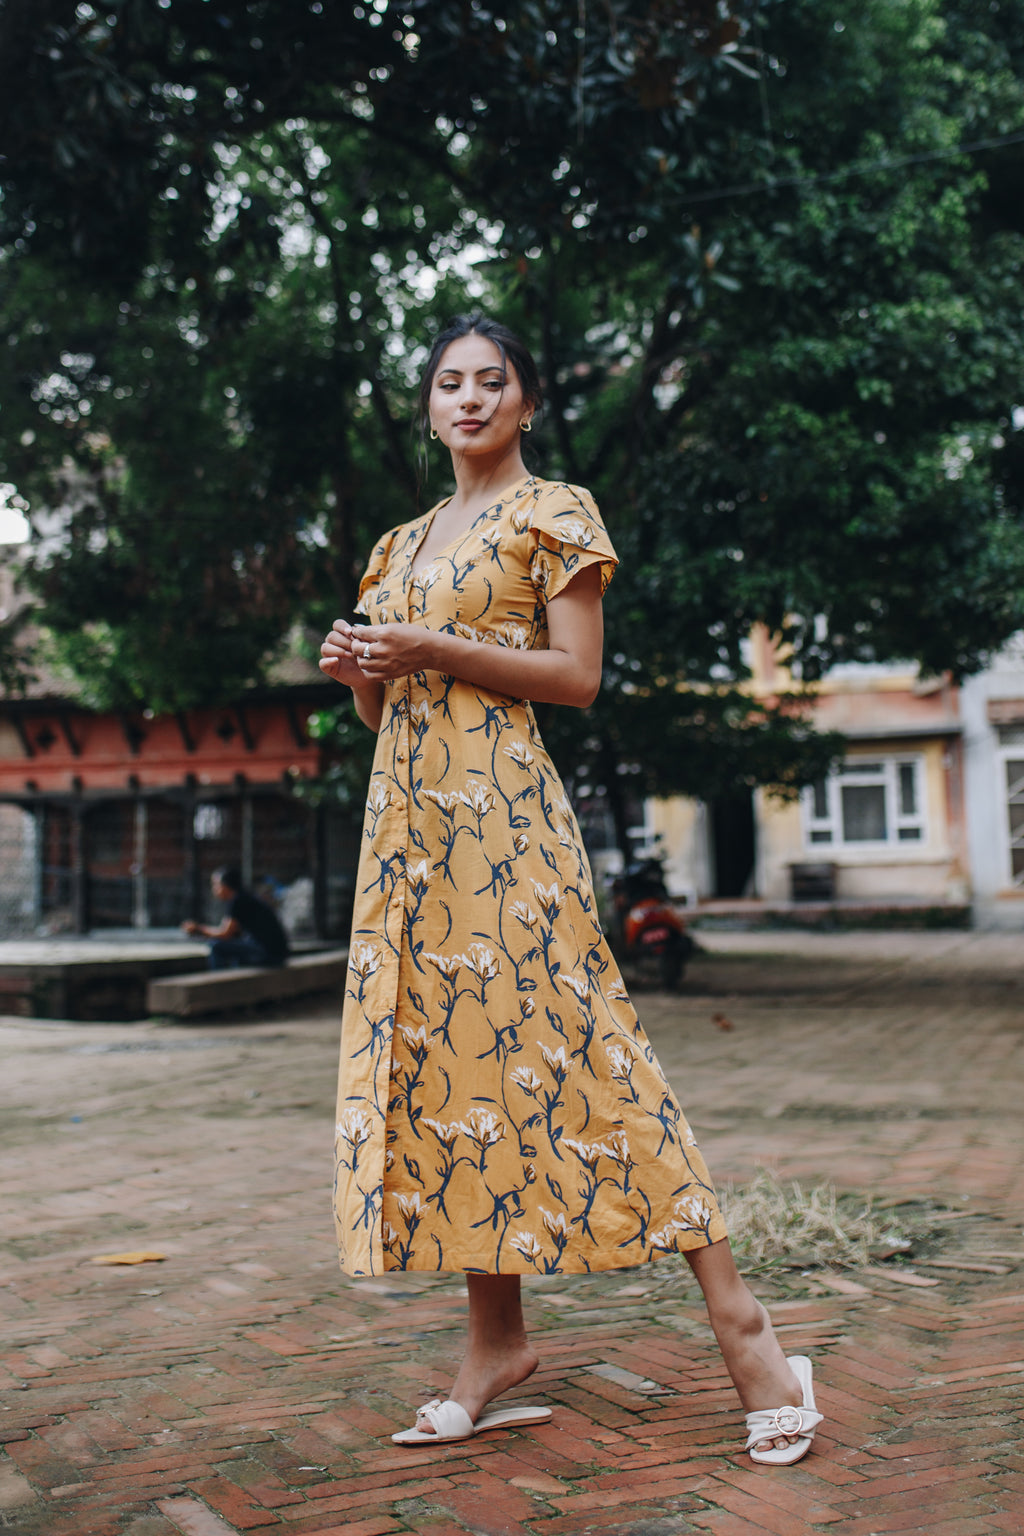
point(502, 496)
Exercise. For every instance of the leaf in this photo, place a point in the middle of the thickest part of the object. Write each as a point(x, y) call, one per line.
point(140, 1257)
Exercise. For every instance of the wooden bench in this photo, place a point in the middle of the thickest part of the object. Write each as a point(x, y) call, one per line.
point(186, 997)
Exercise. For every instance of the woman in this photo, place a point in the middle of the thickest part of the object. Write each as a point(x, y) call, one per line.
point(500, 1110)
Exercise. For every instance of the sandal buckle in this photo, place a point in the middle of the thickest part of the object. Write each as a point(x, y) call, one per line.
point(787, 1421)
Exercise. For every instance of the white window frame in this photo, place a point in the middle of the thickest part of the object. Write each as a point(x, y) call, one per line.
point(882, 770)
point(1007, 752)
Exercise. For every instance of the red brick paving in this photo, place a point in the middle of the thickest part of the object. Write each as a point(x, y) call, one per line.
point(242, 1385)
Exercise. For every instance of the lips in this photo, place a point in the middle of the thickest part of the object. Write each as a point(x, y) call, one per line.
point(469, 426)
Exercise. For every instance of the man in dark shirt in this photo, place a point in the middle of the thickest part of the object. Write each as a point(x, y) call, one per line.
point(250, 932)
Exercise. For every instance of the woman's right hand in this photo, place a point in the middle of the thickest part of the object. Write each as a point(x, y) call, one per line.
point(337, 658)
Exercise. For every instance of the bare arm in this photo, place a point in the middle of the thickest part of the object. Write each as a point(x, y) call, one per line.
point(229, 929)
point(568, 671)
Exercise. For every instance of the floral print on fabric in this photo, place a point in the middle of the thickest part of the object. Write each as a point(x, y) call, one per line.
point(499, 1106)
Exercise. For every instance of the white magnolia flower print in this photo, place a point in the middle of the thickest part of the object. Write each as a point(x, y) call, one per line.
point(618, 1149)
point(417, 1040)
point(483, 1127)
point(526, 1244)
point(483, 962)
point(693, 1211)
point(555, 1224)
point(418, 876)
point(379, 798)
point(448, 965)
point(621, 1062)
point(527, 1079)
point(447, 803)
point(479, 799)
point(556, 1061)
point(448, 1135)
point(527, 1007)
point(588, 1152)
point(578, 533)
point(524, 913)
point(521, 843)
point(364, 960)
point(580, 985)
point(549, 898)
point(520, 754)
point(411, 1208)
point(354, 1128)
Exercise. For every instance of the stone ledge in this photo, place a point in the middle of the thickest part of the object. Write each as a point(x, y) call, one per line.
point(200, 992)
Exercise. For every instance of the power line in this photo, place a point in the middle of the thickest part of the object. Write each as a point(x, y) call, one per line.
point(862, 168)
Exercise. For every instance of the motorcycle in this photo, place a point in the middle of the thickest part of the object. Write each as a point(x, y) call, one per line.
point(646, 929)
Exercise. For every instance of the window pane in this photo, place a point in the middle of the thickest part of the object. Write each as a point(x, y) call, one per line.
point(1014, 779)
point(821, 837)
point(819, 790)
point(910, 834)
point(908, 790)
point(856, 766)
point(863, 813)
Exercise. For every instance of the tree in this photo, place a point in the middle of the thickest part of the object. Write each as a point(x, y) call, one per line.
point(775, 306)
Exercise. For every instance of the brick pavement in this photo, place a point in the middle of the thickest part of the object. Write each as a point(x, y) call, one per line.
point(242, 1385)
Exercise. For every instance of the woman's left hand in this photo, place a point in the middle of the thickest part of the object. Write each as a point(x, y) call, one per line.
point(384, 651)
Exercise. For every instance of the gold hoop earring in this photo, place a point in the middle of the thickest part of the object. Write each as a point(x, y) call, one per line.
point(433, 434)
point(526, 425)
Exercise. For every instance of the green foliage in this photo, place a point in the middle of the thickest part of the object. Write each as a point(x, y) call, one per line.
point(776, 308)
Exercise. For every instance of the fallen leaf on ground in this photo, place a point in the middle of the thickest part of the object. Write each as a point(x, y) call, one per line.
point(127, 1258)
point(721, 1021)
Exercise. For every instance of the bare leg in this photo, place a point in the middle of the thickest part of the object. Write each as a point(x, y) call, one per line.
point(498, 1353)
point(752, 1353)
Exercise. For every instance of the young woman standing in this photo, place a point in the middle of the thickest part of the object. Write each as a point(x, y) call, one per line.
point(500, 1110)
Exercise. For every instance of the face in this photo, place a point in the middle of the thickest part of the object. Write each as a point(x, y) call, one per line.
point(476, 405)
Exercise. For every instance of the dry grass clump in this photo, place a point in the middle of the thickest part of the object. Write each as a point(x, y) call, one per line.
point(786, 1226)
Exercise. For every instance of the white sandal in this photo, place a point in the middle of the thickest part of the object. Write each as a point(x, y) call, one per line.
point(770, 1423)
point(450, 1421)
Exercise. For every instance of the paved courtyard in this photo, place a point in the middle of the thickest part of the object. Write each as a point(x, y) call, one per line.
point(241, 1384)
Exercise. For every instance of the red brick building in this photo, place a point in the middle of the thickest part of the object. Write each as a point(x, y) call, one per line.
point(117, 821)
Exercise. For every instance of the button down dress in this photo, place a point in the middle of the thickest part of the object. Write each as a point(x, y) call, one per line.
point(500, 1109)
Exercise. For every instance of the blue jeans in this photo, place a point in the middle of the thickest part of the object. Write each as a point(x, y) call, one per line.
point(232, 954)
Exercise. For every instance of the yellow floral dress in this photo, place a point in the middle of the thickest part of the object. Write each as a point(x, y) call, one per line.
point(499, 1107)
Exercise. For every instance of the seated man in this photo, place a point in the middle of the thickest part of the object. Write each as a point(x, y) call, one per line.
point(250, 933)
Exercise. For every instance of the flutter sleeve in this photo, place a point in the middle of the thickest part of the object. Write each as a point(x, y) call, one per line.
point(376, 568)
point(567, 535)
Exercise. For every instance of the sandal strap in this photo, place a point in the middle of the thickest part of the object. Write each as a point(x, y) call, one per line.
point(769, 1423)
point(448, 1420)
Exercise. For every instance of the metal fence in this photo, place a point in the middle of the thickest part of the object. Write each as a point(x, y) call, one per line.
point(145, 861)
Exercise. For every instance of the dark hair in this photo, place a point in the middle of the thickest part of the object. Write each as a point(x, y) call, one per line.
point(229, 876)
point(513, 353)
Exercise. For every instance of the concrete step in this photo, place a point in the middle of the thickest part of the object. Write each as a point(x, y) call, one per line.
point(196, 993)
